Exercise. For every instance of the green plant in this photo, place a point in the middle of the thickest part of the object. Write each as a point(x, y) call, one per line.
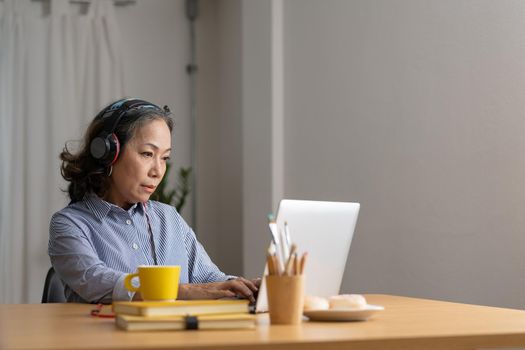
point(176, 197)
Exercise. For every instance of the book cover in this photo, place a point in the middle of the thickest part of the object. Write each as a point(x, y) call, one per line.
point(227, 321)
point(180, 307)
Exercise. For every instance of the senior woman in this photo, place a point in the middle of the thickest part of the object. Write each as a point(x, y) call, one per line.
point(111, 226)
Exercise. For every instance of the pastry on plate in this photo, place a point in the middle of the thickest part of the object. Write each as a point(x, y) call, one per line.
point(347, 302)
point(312, 302)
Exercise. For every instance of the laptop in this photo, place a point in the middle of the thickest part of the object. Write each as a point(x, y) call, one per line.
point(325, 231)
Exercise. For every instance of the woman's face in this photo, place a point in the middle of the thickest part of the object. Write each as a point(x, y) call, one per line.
point(141, 165)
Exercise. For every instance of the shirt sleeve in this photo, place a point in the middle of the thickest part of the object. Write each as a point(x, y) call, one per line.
point(78, 265)
point(200, 267)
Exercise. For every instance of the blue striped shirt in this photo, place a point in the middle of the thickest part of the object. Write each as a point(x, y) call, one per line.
point(94, 244)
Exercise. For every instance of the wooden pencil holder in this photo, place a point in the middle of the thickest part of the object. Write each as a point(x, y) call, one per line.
point(285, 298)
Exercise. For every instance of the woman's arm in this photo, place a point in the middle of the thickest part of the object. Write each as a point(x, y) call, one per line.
point(78, 265)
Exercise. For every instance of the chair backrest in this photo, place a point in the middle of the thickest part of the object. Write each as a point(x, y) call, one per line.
point(53, 288)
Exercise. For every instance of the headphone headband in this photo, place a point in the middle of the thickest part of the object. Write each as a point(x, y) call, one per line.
point(114, 113)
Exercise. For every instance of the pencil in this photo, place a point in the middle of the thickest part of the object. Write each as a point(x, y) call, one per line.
point(269, 262)
point(293, 249)
point(303, 262)
point(276, 265)
point(290, 264)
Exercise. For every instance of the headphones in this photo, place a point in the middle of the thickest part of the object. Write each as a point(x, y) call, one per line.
point(105, 148)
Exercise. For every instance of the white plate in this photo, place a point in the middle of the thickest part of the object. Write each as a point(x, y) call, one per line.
point(343, 315)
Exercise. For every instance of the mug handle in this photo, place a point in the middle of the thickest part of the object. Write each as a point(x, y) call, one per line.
point(127, 282)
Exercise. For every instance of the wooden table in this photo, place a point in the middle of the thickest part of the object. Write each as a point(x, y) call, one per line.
point(406, 323)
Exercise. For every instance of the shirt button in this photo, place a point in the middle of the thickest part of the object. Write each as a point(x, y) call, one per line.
point(135, 246)
point(128, 221)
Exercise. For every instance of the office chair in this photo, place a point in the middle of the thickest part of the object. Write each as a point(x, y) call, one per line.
point(53, 288)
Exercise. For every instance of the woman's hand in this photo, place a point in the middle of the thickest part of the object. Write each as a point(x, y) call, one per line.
point(228, 289)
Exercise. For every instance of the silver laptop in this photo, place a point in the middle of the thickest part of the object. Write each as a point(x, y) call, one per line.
point(325, 231)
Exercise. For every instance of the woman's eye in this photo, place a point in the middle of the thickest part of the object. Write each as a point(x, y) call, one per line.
point(147, 154)
point(166, 158)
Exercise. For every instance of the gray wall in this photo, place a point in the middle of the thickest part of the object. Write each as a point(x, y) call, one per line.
point(229, 244)
point(219, 151)
point(414, 109)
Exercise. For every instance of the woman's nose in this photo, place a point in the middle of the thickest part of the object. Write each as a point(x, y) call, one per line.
point(156, 169)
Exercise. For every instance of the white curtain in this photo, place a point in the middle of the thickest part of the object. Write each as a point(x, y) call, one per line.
point(56, 71)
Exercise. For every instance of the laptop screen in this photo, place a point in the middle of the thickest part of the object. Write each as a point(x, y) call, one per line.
point(325, 231)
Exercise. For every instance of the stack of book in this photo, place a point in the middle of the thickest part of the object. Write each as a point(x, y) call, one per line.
point(183, 314)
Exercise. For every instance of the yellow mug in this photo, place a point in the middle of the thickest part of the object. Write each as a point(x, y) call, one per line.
point(156, 282)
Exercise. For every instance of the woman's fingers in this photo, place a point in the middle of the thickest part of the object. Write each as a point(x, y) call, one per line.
point(248, 283)
point(240, 288)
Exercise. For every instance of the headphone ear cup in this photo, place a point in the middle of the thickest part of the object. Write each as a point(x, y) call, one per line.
point(99, 148)
point(105, 149)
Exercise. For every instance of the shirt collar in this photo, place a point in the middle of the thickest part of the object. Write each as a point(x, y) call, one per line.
point(101, 208)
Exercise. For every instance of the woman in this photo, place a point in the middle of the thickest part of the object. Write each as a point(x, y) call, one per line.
point(110, 226)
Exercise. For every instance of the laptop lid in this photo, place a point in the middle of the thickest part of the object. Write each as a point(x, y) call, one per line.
point(325, 231)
